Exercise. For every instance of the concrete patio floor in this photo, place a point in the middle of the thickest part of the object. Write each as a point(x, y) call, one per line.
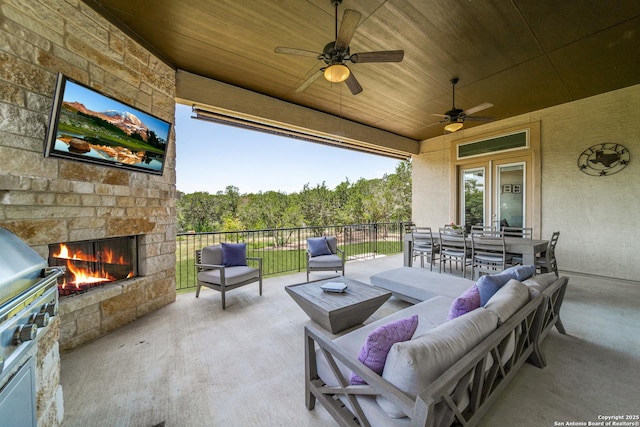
point(193, 364)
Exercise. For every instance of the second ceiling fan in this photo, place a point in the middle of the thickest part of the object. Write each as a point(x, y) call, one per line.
point(456, 117)
point(336, 53)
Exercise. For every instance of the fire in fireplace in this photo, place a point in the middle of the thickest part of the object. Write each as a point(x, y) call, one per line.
point(94, 263)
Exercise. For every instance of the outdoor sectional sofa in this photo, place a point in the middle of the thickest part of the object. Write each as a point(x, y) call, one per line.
point(450, 371)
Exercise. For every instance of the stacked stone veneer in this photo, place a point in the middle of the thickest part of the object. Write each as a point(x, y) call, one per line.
point(47, 200)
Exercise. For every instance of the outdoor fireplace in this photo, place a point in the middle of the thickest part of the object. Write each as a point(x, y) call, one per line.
point(95, 262)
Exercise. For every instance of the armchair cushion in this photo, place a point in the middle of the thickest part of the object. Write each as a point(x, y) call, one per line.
point(212, 255)
point(234, 254)
point(232, 275)
point(318, 246)
point(375, 349)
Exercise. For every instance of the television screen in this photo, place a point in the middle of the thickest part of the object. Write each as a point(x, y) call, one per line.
point(89, 126)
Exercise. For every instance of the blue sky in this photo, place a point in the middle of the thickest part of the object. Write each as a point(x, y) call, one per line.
point(211, 157)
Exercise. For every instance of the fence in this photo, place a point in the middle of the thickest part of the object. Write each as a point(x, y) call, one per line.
point(283, 250)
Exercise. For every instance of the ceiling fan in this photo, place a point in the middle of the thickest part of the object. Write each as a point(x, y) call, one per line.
point(336, 53)
point(456, 117)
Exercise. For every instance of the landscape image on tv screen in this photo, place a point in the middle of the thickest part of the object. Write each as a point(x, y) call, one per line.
point(93, 127)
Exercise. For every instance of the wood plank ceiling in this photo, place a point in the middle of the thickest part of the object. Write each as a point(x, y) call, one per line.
point(519, 55)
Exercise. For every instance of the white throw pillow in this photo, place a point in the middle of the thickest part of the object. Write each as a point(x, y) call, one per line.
point(508, 300)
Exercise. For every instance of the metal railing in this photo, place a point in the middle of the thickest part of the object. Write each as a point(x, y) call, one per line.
point(283, 250)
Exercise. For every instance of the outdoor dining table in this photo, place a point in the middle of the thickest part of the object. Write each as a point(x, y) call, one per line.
point(528, 248)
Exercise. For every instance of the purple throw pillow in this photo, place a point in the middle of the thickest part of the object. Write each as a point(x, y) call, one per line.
point(489, 285)
point(375, 350)
point(468, 301)
point(234, 254)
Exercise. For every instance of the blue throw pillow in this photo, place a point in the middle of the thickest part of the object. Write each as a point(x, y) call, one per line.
point(318, 246)
point(234, 254)
point(489, 285)
point(520, 272)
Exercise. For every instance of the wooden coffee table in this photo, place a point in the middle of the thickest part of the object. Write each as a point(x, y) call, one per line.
point(337, 312)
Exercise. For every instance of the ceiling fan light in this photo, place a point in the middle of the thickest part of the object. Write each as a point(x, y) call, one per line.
point(452, 127)
point(336, 73)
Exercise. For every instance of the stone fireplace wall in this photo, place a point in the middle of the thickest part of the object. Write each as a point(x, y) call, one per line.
point(47, 200)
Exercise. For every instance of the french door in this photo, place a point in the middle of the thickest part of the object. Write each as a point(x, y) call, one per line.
point(494, 192)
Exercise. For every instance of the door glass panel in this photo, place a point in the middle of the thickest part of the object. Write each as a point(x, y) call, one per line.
point(473, 196)
point(510, 191)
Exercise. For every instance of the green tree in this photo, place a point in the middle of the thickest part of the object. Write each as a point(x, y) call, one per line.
point(386, 199)
point(317, 205)
point(195, 212)
point(473, 202)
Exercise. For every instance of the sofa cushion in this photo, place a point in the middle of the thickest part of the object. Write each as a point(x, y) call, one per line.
point(318, 246)
point(234, 254)
point(489, 285)
point(468, 301)
point(375, 349)
point(418, 284)
point(413, 365)
point(538, 283)
point(431, 314)
point(519, 272)
point(326, 261)
point(508, 300)
point(232, 275)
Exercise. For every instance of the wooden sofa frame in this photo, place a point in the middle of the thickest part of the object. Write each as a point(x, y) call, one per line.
point(531, 323)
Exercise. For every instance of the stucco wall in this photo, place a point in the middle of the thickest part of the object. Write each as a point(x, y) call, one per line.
point(598, 217)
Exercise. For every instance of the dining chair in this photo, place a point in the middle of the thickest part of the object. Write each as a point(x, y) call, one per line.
point(524, 232)
point(424, 245)
point(453, 248)
point(488, 254)
point(485, 230)
point(521, 232)
point(547, 262)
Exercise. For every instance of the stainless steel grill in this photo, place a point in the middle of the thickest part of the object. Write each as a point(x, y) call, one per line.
point(28, 299)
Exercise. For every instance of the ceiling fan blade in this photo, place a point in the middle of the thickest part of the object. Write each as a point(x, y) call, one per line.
point(380, 56)
point(312, 78)
point(478, 108)
point(350, 21)
point(479, 118)
point(294, 51)
point(429, 125)
point(444, 116)
point(352, 84)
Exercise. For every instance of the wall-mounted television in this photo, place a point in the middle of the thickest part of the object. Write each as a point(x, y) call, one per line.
point(89, 126)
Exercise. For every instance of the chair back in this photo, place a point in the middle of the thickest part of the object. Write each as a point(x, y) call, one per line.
point(422, 238)
point(484, 230)
point(487, 245)
point(488, 253)
point(551, 252)
point(332, 242)
point(211, 255)
point(452, 239)
point(524, 232)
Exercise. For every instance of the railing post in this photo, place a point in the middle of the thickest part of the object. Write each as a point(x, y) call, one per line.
point(298, 251)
